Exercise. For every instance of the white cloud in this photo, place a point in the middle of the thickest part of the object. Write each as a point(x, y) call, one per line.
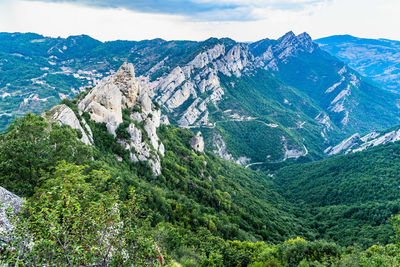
point(364, 18)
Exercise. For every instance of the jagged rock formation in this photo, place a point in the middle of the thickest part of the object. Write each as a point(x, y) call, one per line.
point(105, 102)
point(344, 145)
point(140, 148)
point(292, 52)
point(197, 142)
point(7, 200)
point(285, 47)
point(341, 90)
point(356, 143)
point(197, 84)
point(64, 115)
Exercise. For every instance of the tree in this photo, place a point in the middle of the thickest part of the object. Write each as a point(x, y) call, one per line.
point(31, 146)
point(78, 220)
point(23, 150)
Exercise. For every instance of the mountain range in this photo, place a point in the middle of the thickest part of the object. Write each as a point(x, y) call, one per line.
point(257, 104)
point(377, 59)
point(214, 153)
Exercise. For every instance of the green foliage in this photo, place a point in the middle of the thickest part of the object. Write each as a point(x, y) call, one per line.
point(275, 110)
point(350, 198)
point(78, 220)
point(31, 146)
point(201, 211)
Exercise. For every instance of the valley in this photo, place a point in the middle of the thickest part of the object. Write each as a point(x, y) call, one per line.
point(212, 153)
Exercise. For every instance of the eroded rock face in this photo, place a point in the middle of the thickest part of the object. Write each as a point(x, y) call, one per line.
point(196, 84)
point(120, 91)
point(105, 102)
point(285, 47)
point(64, 115)
point(7, 200)
point(356, 143)
point(197, 142)
point(345, 145)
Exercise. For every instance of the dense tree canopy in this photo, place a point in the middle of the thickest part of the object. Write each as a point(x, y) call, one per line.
point(84, 207)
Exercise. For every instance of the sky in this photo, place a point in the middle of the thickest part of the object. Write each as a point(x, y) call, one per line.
point(241, 20)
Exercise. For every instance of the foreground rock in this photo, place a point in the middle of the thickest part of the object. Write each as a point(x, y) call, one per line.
point(8, 200)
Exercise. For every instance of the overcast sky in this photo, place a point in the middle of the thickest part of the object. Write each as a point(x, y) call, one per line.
point(242, 20)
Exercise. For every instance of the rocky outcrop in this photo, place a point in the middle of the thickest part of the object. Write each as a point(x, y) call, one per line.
point(197, 142)
point(375, 139)
point(196, 84)
point(164, 120)
point(285, 47)
point(340, 91)
point(7, 200)
point(144, 144)
point(344, 146)
point(221, 150)
point(105, 102)
point(64, 115)
point(355, 143)
point(326, 122)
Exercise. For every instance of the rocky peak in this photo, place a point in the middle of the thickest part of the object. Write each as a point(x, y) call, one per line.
point(105, 102)
point(289, 37)
point(294, 44)
point(285, 47)
point(120, 91)
point(306, 42)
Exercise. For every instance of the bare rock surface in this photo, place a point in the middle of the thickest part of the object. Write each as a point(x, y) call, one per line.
point(64, 115)
point(7, 200)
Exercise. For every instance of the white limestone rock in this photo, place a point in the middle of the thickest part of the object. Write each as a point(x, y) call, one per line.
point(123, 90)
point(182, 85)
point(197, 142)
point(136, 116)
point(146, 103)
point(141, 151)
point(7, 200)
point(105, 102)
point(164, 120)
point(180, 96)
point(64, 115)
point(345, 145)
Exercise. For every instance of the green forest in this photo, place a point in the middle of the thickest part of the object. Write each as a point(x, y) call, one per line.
point(84, 207)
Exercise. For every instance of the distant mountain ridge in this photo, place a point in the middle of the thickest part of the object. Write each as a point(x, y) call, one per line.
point(378, 59)
point(263, 102)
